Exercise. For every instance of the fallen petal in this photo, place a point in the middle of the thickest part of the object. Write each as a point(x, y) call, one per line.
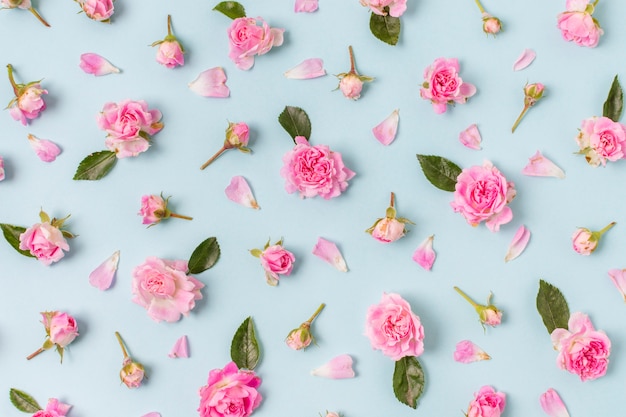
point(210, 83)
point(386, 130)
point(152, 414)
point(540, 166)
point(424, 255)
point(95, 64)
point(339, 367)
point(102, 276)
point(518, 244)
point(309, 68)
point(180, 349)
point(239, 191)
point(329, 252)
point(306, 6)
point(618, 276)
point(471, 138)
point(552, 404)
point(46, 150)
point(1, 168)
point(468, 352)
point(524, 60)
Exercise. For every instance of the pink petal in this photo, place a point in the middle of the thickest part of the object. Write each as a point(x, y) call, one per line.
point(57, 408)
point(180, 349)
point(524, 60)
point(152, 414)
point(339, 367)
point(518, 244)
point(471, 138)
point(618, 276)
point(306, 6)
point(46, 150)
point(210, 83)
point(102, 276)
point(239, 191)
point(424, 255)
point(329, 252)
point(386, 130)
point(309, 68)
point(540, 166)
point(552, 404)
point(95, 64)
point(1, 168)
point(468, 352)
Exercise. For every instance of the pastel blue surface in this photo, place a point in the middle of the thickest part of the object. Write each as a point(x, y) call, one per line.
point(104, 213)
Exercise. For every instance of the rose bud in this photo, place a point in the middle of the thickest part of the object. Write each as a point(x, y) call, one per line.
point(170, 52)
point(488, 314)
point(27, 103)
point(389, 228)
point(132, 373)
point(61, 330)
point(301, 337)
point(275, 260)
point(237, 136)
point(491, 24)
point(584, 241)
point(532, 94)
point(154, 209)
point(351, 83)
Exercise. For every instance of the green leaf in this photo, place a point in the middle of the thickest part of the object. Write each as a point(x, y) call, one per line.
point(244, 350)
point(441, 172)
point(95, 166)
point(204, 256)
point(12, 235)
point(231, 9)
point(614, 103)
point(408, 381)
point(296, 122)
point(552, 306)
point(23, 401)
point(385, 28)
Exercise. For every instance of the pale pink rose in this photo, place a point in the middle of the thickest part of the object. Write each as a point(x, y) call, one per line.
point(601, 139)
point(99, 10)
point(584, 241)
point(237, 134)
point(276, 261)
point(487, 402)
point(385, 131)
point(102, 276)
point(314, 170)
point(13, 4)
point(239, 191)
point(61, 327)
point(583, 350)
point(524, 60)
point(45, 242)
point(618, 276)
point(210, 83)
point(170, 54)
point(443, 85)
point(153, 209)
point(152, 414)
point(471, 138)
point(332, 414)
point(540, 166)
point(1, 168)
point(180, 348)
point(518, 244)
point(578, 25)
point(425, 255)
point(396, 7)
point(299, 338)
point(46, 150)
point(305, 6)
point(351, 86)
point(249, 37)
point(339, 367)
point(164, 289)
point(95, 64)
point(230, 392)
point(491, 317)
point(468, 352)
point(307, 69)
point(482, 194)
point(491, 24)
point(552, 404)
point(329, 252)
point(392, 328)
point(388, 230)
point(132, 373)
point(28, 104)
point(54, 408)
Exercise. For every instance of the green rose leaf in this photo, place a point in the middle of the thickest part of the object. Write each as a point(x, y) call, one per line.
point(614, 103)
point(386, 28)
point(408, 381)
point(244, 350)
point(12, 235)
point(204, 256)
point(552, 307)
point(296, 122)
point(441, 172)
point(23, 401)
point(95, 166)
point(231, 9)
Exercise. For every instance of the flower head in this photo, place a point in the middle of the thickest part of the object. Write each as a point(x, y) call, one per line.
point(170, 52)
point(98, 10)
point(601, 139)
point(351, 83)
point(578, 25)
point(46, 240)
point(487, 402)
point(54, 408)
point(237, 136)
point(442, 85)
point(27, 103)
point(491, 24)
point(389, 228)
point(275, 260)
point(132, 373)
point(154, 209)
point(532, 93)
point(61, 330)
point(393, 8)
point(24, 5)
point(301, 337)
point(585, 242)
point(487, 314)
point(249, 37)
point(232, 389)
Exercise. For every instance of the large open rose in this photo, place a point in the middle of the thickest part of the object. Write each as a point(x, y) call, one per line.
point(248, 37)
point(45, 242)
point(230, 392)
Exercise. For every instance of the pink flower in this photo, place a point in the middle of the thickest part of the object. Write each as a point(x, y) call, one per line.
point(307, 69)
point(249, 37)
point(305, 6)
point(275, 260)
point(339, 367)
point(45, 242)
point(389, 228)
point(329, 252)
point(578, 25)
point(491, 24)
point(46, 150)
point(487, 403)
point(237, 134)
point(24, 5)
point(424, 255)
point(61, 328)
point(385, 131)
point(552, 404)
point(314, 170)
point(583, 350)
point(601, 139)
point(239, 191)
point(27, 103)
point(396, 7)
point(392, 328)
point(540, 166)
point(518, 244)
point(230, 392)
point(180, 348)
point(99, 10)
point(482, 194)
point(351, 83)
point(210, 83)
point(153, 209)
point(164, 289)
point(170, 52)
point(585, 242)
point(468, 352)
point(618, 276)
point(470, 137)
point(95, 64)
point(442, 85)
point(487, 314)
point(54, 408)
point(301, 337)
point(132, 373)
point(102, 276)
point(1, 168)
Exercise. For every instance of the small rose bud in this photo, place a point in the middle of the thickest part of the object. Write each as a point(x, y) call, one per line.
point(584, 241)
point(389, 228)
point(487, 314)
point(533, 92)
point(491, 24)
point(132, 373)
point(237, 135)
point(170, 52)
point(154, 209)
point(301, 337)
point(351, 83)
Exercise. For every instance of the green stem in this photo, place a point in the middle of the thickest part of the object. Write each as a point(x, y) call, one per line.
point(169, 25)
point(180, 216)
point(392, 200)
point(12, 80)
point(469, 300)
point(317, 312)
point(38, 16)
point(519, 118)
point(605, 229)
point(480, 6)
point(352, 63)
point(121, 342)
point(214, 157)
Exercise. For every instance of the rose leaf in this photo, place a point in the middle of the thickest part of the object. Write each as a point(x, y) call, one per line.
point(95, 166)
point(552, 307)
point(204, 256)
point(614, 103)
point(231, 9)
point(12, 235)
point(441, 172)
point(386, 28)
point(408, 381)
point(23, 401)
point(244, 349)
point(296, 122)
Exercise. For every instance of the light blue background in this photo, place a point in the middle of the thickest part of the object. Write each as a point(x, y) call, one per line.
point(104, 213)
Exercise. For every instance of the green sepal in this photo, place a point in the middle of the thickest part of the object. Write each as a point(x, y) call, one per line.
point(404, 220)
point(371, 229)
point(95, 166)
point(296, 122)
point(44, 216)
point(47, 344)
point(408, 381)
point(390, 213)
point(552, 307)
point(12, 235)
point(244, 349)
point(23, 401)
point(614, 103)
point(231, 9)
point(58, 223)
point(256, 252)
point(386, 28)
point(204, 256)
point(441, 172)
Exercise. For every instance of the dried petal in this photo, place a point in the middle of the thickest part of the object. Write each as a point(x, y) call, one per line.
point(180, 349)
point(618, 276)
point(424, 255)
point(46, 150)
point(524, 60)
point(518, 244)
point(95, 64)
point(339, 367)
point(552, 404)
point(306, 6)
point(210, 83)
point(471, 138)
point(386, 130)
point(329, 252)
point(468, 352)
point(102, 276)
point(540, 166)
point(239, 191)
point(309, 68)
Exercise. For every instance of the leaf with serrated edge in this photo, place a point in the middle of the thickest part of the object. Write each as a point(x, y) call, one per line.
point(231, 9)
point(204, 256)
point(614, 103)
point(296, 122)
point(95, 166)
point(552, 306)
point(12, 235)
point(408, 381)
point(244, 349)
point(441, 172)
point(23, 401)
point(385, 28)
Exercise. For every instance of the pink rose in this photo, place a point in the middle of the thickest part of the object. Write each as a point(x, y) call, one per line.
point(1, 168)
point(388, 230)
point(170, 54)
point(247, 39)
point(237, 135)
point(61, 327)
point(28, 104)
point(491, 317)
point(396, 7)
point(314, 170)
point(230, 392)
point(100, 10)
point(393, 328)
point(132, 373)
point(482, 194)
point(601, 139)
point(578, 25)
point(583, 350)
point(582, 241)
point(442, 85)
point(299, 338)
point(351, 86)
point(54, 408)
point(277, 260)
point(45, 242)
point(491, 24)
point(164, 289)
point(487, 403)
point(153, 208)
point(13, 4)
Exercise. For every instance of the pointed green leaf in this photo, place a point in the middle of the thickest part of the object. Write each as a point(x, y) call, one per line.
point(204, 256)
point(614, 103)
point(408, 381)
point(296, 122)
point(385, 28)
point(23, 401)
point(244, 350)
point(95, 166)
point(441, 172)
point(12, 235)
point(552, 306)
point(231, 9)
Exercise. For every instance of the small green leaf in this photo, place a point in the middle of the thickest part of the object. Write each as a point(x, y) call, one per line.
point(386, 28)
point(244, 350)
point(441, 172)
point(204, 256)
point(95, 166)
point(296, 122)
point(12, 235)
point(408, 381)
point(614, 103)
point(552, 306)
point(231, 9)
point(23, 401)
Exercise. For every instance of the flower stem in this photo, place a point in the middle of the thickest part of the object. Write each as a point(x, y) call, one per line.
point(180, 216)
point(121, 342)
point(214, 157)
point(469, 300)
point(169, 25)
point(480, 6)
point(519, 118)
point(392, 200)
point(38, 16)
point(352, 63)
point(317, 312)
point(12, 80)
point(35, 353)
point(605, 229)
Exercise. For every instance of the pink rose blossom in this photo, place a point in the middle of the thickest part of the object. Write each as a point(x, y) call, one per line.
point(332, 414)
point(396, 7)
point(488, 314)
point(392, 328)
point(230, 392)
point(585, 242)
point(491, 24)
point(95, 64)
point(54, 408)
point(170, 51)
point(132, 373)
point(99, 10)
point(524, 60)
point(249, 37)
point(443, 85)
point(552, 404)
point(46, 150)
point(339, 367)
point(618, 276)
point(385, 131)
point(62, 328)
point(239, 191)
point(351, 86)
point(180, 348)
point(388, 230)
point(153, 209)
point(424, 255)
point(487, 402)
point(299, 339)
point(471, 138)
point(468, 352)
point(1, 168)
point(210, 83)
point(577, 23)
point(329, 252)
point(540, 166)
point(307, 69)
point(45, 242)
point(601, 139)
point(583, 350)
point(102, 276)
point(164, 289)
point(518, 244)
point(305, 6)
point(276, 261)
point(27, 103)
point(314, 170)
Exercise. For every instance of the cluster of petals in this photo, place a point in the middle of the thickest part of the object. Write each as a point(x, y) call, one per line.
point(28, 104)
point(443, 84)
point(54, 408)
point(601, 139)
point(98, 10)
point(45, 242)
point(578, 25)
point(230, 391)
point(249, 37)
point(394, 8)
point(487, 402)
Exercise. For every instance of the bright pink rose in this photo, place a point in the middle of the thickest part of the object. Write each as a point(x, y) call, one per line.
point(170, 54)
point(45, 242)
point(100, 10)
point(393, 328)
point(351, 86)
point(277, 260)
point(61, 327)
point(314, 170)
point(230, 392)
point(29, 104)
point(396, 7)
point(388, 230)
point(601, 139)
point(249, 37)
point(482, 194)
point(443, 85)
point(54, 408)
point(487, 403)
point(578, 25)
point(583, 350)
point(164, 289)
point(153, 208)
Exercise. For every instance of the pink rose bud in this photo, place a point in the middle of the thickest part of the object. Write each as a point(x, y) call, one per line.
point(307, 69)
point(24, 5)
point(532, 93)
point(275, 261)
point(27, 103)
point(237, 136)
point(102, 276)
point(154, 209)
point(552, 404)
point(468, 352)
point(61, 330)
point(98, 10)
point(618, 276)
point(487, 314)
point(578, 25)
point(471, 138)
point(45, 241)
point(170, 52)
point(540, 166)
point(389, 228)
point(385, 131)
point(1, 168)
point(351, 83)
point(46, 150)
point(491, 25)
point(339, 367)
point(305, 6)
point(180, 348)
point(95, 64)
point(210, 83)
point(584, 241)
point(332, 414)
point(487, 402)
point(518, 244)
point(301, 337)
point(329, 252)
point(132, 373)
point(239, 191)
point(424, 255)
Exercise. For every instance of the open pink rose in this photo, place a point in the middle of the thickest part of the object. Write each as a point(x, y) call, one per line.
point(578, 25)
point(443, 85)
point(99, 10)
point(249, 37)
point(45, 242)
point(61, 327)
point(396, 7)
point(487, 402)
point(54, 408)
point(230, 392)
point(276, 261)
point(601, 139)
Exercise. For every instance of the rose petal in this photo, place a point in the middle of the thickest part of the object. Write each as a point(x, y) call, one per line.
point(540, 166)
point(470, 137)
point(386, 130)
point(95, 64)
point(306, 6)
point(424, 255)
point(467, 352)
point(46, 150)
point(307, 69)
point(239, 191)
point(524, 60)
point(518, 244)
point(552, 404)
point(210, 83)
point(102, 276)
point(329, 252)
point(339, 367)
point(618, 276)
point(180, 349)
point(1, 168)
point(152, 414)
